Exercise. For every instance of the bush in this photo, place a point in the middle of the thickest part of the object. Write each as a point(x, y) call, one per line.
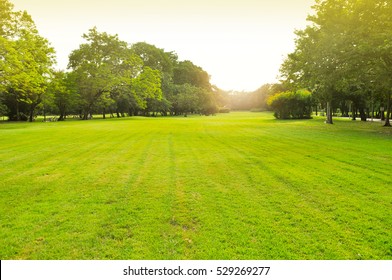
point(292, 105)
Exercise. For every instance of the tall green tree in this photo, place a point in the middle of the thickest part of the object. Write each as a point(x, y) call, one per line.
point(187, 99)
point(193, 91)
point(158, 59)
point(26, 61)
point(343, 52)
point(185, 72)
point(62, 92)
point(146, 86)
point(102, 65)
point(155, 58)
point(379, 48)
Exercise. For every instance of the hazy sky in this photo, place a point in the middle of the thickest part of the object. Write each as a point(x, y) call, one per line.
point(240, 43)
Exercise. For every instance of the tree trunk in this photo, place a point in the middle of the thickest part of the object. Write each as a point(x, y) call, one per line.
point(387, 122)
point(17, 111)
point(31, 117)
point(362, 114)
point(32, 109)
point(329, 113)
point(62, 114)
point(372, 110)
point(87, 114)
point(354, 112)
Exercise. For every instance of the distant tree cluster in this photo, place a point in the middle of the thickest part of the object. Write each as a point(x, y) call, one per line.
point(248, 101)
point(344, 57)
point(106, 75)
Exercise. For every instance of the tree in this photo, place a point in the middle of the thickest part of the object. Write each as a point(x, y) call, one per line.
point(155, 58)
point(25, 62)
point(147, 85)
point(343, 53)
point(380, 47)
point(62, 93)
point(208, 102)
point(102, 65)
point(186, 99)
point(3, 107)
point(313, 66)
point(192, 90)
point(186, 72)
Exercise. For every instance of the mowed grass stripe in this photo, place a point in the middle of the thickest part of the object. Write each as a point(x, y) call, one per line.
point(295, 177)
point(271, 189)
point(235, 186)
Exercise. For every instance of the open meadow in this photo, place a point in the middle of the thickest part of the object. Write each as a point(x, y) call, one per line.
point(231, 186)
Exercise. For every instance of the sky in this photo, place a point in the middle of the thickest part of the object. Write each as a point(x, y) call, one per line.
point(240, 43)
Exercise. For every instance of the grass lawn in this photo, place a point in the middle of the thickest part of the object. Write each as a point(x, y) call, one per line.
point(232, 186)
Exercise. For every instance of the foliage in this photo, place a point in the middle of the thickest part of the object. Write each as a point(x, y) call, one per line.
point(3, 110)
point(102, 65)
point(25, 63)
point(106, 75)
point(343, 54)
point(186, 72)
point(138, 80)
point(292, 105)
point(248, 101)
point(155, 58)
point(186, 99)
point(62, 94)
point(6, 8)
point(147, 85)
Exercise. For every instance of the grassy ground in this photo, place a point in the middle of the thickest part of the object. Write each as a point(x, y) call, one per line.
point(233, 186)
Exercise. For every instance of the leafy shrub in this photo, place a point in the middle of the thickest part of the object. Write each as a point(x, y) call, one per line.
point(291, 105)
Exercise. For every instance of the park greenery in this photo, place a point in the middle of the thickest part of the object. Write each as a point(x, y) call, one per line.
point(243, 185)
point(292, 105)
point(105, 75)
point(344, 57)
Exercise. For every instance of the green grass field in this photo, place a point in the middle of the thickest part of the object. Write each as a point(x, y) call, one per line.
point(231, 186)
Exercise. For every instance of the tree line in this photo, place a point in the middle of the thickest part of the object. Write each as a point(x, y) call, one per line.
point(344, 57)
point(342, 63)
point(255, 101)
point(106, 75)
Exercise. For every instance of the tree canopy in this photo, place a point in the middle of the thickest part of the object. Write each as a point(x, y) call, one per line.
point(344, 55)
point(105, 75)
point(26, 61)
